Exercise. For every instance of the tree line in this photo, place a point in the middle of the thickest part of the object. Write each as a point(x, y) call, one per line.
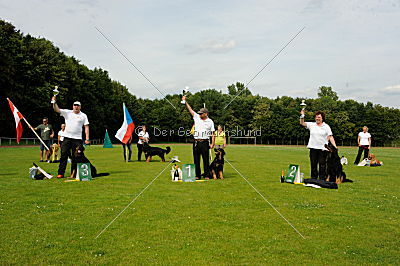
point(31, 67)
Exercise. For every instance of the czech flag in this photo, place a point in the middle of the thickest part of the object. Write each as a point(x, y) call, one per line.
point(126, 130)
point(17, 117)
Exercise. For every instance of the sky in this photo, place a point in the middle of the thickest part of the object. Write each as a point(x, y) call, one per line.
point(352, 45)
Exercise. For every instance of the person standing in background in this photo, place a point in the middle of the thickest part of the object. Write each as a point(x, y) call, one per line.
point(61, 135)
point(364, 144)
point(46, 133)
point(143, 137)
point(220, 139)
point(129, 146)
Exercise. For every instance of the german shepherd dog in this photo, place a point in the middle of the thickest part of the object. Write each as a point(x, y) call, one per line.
point(334, 169)
point(81, 158)
point(149, 152)
point(217, 165)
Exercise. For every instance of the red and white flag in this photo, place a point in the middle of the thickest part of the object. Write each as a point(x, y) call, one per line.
point(17, 117)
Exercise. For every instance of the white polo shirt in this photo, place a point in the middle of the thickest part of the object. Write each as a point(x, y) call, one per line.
point(144, 135)
point(203, 129)
point(364, 138)
point(318, 135)
point(73, 123)
point(61, 134)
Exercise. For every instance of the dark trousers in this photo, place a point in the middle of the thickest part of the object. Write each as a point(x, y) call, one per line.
point(68, 150)
point(360, 150)
point(129, 145)
point(318, 163)
point(139, 151)
point(201, 148)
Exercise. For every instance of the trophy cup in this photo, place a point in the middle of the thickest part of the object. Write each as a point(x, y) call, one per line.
point(185, 91)
point(303, 105)
point(55, 93)
point(303, 108)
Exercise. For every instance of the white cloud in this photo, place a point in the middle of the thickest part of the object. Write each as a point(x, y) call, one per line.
point(391, 89)
point(211, 46)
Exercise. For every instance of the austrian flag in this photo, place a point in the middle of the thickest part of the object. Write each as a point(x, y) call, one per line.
point(17, 117)
point(126, 130)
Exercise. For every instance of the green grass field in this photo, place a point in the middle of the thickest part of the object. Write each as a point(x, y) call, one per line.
point(214, 222)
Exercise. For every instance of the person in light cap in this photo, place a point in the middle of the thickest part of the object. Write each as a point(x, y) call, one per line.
point(75, 120)
point(203, 130)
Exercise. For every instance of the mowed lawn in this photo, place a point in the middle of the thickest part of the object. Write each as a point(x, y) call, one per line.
point(214, 222)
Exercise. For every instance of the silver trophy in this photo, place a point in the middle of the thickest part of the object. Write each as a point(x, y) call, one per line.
point(55, 93)
point(303, 105)
point(185, 91)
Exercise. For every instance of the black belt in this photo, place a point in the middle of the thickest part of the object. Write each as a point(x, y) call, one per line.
point(200, 140)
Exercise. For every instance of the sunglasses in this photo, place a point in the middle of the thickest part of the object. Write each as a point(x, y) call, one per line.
point(76, 105)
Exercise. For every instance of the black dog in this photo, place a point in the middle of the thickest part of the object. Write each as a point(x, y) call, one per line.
point(81, 158)
point(217, 165)
point(334, 169)
point(149, 152)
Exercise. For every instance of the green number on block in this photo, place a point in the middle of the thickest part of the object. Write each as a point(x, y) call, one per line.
point(84, 173)
point(293, 171)
point(188, 173)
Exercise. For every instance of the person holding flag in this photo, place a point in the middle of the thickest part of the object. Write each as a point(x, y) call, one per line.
point(124, 134)
point(75, 120)
point(47, 133)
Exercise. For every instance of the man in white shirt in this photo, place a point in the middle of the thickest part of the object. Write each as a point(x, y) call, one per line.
point(203, 130)
point(75, 120)
point(364, 144)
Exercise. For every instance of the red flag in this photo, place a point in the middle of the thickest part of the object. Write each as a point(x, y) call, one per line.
point(17, 117)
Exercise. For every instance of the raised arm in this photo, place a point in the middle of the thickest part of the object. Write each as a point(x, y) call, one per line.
point(55, 106)
point(188, 106)
point(302, 115)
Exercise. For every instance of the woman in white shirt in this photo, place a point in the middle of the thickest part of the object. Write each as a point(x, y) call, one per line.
point(320, 134)
point(143, 137)
point(364, 144)
point(61, 135)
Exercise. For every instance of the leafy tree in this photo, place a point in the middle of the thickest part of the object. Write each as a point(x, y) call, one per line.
point(324, 91)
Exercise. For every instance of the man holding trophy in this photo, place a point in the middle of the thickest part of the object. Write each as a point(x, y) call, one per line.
point(320, 134)
point(75, 120)
point(203, 130)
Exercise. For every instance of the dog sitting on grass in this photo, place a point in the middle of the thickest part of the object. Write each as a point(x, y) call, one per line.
point(149, 152)
point(373, 160)
point(81, 158)
point(217, 165)
point(334, 169)
point(54, 153)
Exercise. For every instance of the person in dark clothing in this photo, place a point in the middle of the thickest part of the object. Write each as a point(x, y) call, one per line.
point(203, 130)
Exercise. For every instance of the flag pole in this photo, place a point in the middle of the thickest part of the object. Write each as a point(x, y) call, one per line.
point(29, 125)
